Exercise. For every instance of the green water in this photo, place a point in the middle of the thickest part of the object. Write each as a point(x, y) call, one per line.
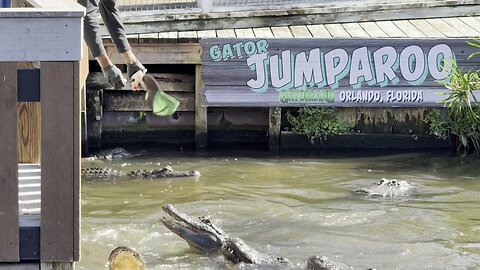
point(293, 207)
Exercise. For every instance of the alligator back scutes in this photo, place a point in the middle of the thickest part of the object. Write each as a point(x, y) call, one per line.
point(99, 172)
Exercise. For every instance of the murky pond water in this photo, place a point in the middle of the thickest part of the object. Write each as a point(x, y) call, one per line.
point(294, 207)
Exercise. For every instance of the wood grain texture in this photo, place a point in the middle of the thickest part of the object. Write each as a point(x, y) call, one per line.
point(373, 30)
point(337, 31)
point(206, 34)
point(200, 111)
point(187, 36)
point(77, 153)
point(427, 28)
point(263, 32)
point(281, 32)
point(226, 33)
point(29, 132)
point(58, 168)
point(9, 250)
point(444, 27)
point(408, 28)
point(462, 27)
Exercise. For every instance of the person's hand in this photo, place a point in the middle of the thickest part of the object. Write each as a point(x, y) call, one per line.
point(114, 77)
point(135, 72)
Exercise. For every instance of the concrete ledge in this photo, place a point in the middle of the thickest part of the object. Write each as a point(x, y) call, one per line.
point(292, 141)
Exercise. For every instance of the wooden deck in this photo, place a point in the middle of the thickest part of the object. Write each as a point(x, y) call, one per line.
point(451, 27)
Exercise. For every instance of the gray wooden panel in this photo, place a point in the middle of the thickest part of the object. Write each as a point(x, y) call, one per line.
point(168, 37)
point(337, 30)
point(355, 30)
point(187, 36)
point(373, 30)
point(408, 28)
point(319, 31)
point(281, 32)
point(263, 32)
point(55, 39)
point(226, 33)
point(427, 28)
point(462, 27)
point(201, 119)
point(226, 80)
point(206, 34)
point(58, 147)
point(8, 160)
point(244, 33)
point(300, 31)
point(391, 29)
point(444, 28)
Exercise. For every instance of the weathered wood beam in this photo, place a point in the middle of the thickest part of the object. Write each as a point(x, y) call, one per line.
point(160, 53)
point(274, 124)
point(9, 232)
point(201, 129)
point(297, 16)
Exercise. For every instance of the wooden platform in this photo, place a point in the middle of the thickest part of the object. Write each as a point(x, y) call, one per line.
point(449, 27)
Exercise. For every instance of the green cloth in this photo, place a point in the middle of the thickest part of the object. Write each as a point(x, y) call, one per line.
point(163, 104)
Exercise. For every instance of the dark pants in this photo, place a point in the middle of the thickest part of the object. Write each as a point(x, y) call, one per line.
point(111, 18)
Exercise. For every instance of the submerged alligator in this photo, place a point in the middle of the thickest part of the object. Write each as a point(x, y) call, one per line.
point(165, 172)
point(387, 188)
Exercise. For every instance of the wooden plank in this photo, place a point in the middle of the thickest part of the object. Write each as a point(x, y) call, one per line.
point(409, 29)
point(337, 31)
point(56, 39)
point(29, 132)
point(167, 37)
point(244, 33)
point(8, 160)
point(135, 101)
point(206, 34)
point(471, 22)
point(132, 38)
point(444, 28)
point(187, 37)
point(391, 29)
point(148, 38)
point(57, 266)
point(58, 219)
point(274, 124)
point(373, 30)
point(462, 27)
point(263, 32)
point(160, 53)
point(319, 31)
point(300, 31)
point(355, 30)
point(281, 32)
point(201, 129)
point(94, 118)
point(427, 28)
point(226, 33)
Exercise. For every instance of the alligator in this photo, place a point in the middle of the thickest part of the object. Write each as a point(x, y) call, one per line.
point(165, 172)
point(387, 188)
point(205, 237)
point(115, 153)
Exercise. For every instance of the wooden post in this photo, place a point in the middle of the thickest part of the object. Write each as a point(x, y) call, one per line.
point(274, 123)
point(200, 112)
point(94, 116)
point(60, 162)
point(9, 230)
point(29, 132)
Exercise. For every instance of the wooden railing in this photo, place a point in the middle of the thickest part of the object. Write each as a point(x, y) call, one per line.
point(49, 33)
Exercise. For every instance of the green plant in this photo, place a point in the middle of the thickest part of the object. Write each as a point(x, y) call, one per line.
point(316, 123)
point(463, 113)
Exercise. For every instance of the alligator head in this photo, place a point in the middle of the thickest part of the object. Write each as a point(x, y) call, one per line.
point(165, 172)
point(201, 235)
point(387, 188)
point(236, 251)
point(323, 263)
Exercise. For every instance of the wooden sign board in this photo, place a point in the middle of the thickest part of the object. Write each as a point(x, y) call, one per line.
point(331, 72)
